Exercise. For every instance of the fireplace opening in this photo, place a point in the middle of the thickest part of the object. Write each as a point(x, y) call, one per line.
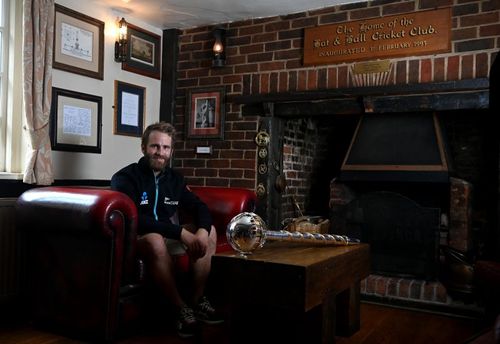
point(400, 220)
point(315, 151)
point(403, 235)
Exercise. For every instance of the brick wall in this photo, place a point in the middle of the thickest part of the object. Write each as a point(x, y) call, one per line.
point(264, 56)
point(301, 142)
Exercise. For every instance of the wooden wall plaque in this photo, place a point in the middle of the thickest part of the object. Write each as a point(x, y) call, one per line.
point(409, 34)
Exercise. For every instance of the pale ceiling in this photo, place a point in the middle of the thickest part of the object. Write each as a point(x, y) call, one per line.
point(166, 14)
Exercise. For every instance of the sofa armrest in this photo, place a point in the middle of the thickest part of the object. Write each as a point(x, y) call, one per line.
point(96, 211)
point(75, 209)
point(81, 250)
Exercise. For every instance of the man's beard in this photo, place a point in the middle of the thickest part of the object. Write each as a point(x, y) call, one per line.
point(155, 164)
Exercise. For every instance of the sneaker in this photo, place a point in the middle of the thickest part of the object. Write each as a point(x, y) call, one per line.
point(187, 325)
point(206, 313)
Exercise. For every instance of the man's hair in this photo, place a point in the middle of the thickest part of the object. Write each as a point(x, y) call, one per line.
point(162, 127)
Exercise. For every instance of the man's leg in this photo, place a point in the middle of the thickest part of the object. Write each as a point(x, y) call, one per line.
point(153, 249)
point(203, 310)
point(201, 267)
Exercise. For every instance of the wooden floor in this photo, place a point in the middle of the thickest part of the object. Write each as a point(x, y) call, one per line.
point(379, 324)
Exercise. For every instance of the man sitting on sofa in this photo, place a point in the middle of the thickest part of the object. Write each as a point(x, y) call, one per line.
point(158, 191)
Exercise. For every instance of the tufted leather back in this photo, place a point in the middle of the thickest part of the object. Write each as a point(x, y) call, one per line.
point(224, 204)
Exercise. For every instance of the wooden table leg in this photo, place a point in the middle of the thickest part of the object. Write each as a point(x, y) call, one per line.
point(348, 320)
point(329, 316)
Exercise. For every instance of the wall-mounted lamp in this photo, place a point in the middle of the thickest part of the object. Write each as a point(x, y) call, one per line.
point(121, 41)
point(219, 59)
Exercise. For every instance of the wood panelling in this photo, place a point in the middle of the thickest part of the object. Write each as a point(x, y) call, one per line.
point(10, 252)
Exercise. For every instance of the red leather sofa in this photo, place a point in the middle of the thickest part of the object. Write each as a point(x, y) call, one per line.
point(83, 276)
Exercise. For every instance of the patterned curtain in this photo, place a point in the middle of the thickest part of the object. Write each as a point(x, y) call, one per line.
point(38, 23)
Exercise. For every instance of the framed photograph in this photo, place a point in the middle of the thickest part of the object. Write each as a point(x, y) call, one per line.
point(144, 50)
point(129, 109)
point(205, 113)
point(75, 121)
point(78, 43)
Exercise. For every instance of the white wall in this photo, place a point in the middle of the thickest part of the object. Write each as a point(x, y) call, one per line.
point(117, 150)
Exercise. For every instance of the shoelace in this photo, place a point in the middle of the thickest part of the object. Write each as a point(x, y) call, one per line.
point(205, 305)
point(187, 314)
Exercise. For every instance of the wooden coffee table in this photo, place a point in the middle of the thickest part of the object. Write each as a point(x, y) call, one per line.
point(299, 291)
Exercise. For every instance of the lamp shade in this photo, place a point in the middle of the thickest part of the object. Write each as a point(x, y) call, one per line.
point(219, 57)
point(121, 41)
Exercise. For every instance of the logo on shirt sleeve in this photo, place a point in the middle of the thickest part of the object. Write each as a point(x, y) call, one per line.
point(144, 198)
point(167, 201)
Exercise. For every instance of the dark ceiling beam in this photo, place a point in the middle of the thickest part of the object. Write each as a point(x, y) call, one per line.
point(169, 74)
point(442, 96)
point(434, 87)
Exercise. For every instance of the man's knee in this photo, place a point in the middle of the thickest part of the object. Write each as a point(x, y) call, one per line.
point(212, 238)
point(152, 245)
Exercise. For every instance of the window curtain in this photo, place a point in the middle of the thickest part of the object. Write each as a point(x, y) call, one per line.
point(38, 23)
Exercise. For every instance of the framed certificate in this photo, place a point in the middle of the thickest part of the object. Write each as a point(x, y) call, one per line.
point(129, 109)
point(75, 121)
point(78, 43)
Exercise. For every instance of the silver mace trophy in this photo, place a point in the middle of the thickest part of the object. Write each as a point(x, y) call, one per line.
point(247, 232)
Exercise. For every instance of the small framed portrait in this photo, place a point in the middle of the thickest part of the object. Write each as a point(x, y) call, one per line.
point(78, 43)
point(129, 109)
point(205, 113)
point(144, 49)
point(75, 121)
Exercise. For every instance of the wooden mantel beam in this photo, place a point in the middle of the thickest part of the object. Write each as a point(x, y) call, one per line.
point(440, 96)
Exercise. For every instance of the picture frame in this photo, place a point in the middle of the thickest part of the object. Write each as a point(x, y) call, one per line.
point(143, 51)
point(205, 111)
point(129, 109)
point(75, 121)
point(78, 43)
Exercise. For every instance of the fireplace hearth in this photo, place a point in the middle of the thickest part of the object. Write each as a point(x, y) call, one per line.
point(410, 243)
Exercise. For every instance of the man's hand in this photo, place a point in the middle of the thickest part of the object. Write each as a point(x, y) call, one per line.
point(196, 243)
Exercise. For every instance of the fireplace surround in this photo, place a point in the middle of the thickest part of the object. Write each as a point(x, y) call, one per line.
point(313, 132)
point(310, 133)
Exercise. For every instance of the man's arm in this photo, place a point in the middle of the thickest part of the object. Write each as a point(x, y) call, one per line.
point(196, 243)
point(197, 208)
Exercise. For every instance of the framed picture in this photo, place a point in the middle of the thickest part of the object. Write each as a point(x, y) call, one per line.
point(129, 109)
point(143, 52)
point(78, 43)
point(75, 121)
point(205, 113)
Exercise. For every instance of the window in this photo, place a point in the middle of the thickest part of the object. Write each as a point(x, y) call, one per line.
point(3, 81)
point(11, 147)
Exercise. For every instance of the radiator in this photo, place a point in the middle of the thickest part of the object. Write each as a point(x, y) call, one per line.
point(10, 252)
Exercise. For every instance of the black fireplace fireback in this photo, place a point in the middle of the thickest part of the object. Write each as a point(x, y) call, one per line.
point(403, 235)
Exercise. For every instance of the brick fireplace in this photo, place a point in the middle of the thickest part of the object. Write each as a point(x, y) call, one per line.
point(458, 205)
point(311, 112)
